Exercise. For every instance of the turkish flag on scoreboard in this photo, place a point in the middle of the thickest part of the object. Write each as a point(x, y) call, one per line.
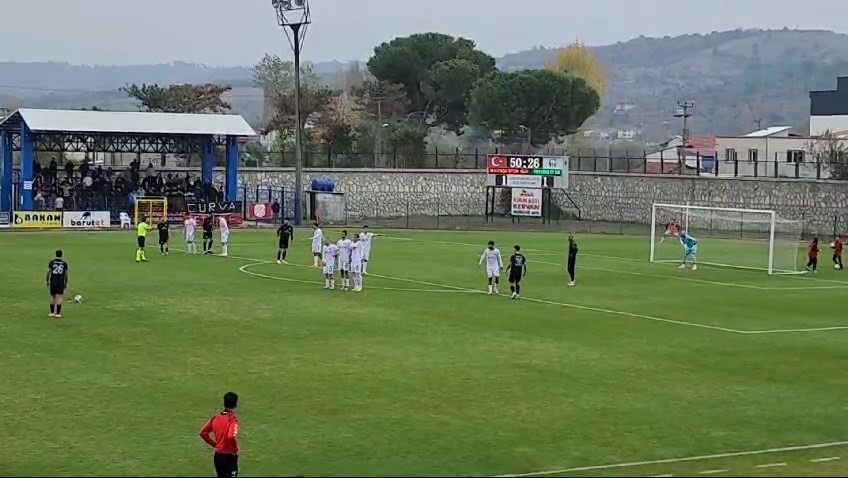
point(496, 161)
point(259, 211)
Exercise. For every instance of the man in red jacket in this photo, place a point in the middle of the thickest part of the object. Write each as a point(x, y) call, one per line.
point(221, 433)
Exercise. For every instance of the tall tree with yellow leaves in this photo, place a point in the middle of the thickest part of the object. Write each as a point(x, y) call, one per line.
point(577, 60)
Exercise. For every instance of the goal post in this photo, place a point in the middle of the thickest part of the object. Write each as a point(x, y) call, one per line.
point(154, 208)
point(755, 239)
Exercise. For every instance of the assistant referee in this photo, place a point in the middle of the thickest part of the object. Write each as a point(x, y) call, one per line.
point(143, 228)
point(221, 433)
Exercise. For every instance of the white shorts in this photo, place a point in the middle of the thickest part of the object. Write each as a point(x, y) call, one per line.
point(366, 254)
point(316, 249)
point(493, 272)
point(329, 268)
point(344, 266)
point(190, 237)
point(356, 268)
point(225, 237)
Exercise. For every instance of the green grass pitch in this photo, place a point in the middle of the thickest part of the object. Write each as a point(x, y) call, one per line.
point(421, 374)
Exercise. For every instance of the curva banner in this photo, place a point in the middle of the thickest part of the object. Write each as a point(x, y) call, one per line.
point(86, 220)
point(37, 220)
point(259, 211)
point(527, 202)
point(5, 219)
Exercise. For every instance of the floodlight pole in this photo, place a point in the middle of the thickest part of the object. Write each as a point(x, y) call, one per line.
point(295, 16)
point(298, 138)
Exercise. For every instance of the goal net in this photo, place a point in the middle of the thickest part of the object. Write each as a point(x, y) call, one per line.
point(154, 208)
point(727, 237)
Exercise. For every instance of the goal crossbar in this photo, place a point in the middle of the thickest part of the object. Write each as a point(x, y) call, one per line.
point(767, 217)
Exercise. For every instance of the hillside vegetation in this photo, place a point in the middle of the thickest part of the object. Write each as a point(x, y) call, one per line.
point(734, 77)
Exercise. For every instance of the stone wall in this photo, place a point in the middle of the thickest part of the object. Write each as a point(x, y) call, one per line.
point(607, 197)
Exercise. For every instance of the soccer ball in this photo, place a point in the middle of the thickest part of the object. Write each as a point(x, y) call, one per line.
point(836, 266)
point(78, 299)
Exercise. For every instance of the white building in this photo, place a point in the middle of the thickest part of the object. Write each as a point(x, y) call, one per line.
point(770, 152)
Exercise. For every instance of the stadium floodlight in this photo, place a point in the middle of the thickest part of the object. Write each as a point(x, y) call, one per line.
point(754, 239)
point(294, 16)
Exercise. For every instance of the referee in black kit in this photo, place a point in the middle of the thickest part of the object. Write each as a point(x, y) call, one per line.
point(572, 259)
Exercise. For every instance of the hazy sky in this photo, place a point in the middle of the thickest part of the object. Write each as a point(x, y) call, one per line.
point(238, 32)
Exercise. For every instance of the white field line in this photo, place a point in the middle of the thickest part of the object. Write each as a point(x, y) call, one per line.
point(844, 284)
point(770, 465)
point(579, 307)
point(716, 456)
point(539, 301)
point(825, 460)
point(246, 269)
point(700, 281)
point(713, 472)
point(794, 331)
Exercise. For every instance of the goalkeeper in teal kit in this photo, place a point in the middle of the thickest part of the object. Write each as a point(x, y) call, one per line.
point(690, 250)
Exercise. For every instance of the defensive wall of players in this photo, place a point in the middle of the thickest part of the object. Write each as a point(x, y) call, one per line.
point(606, 197)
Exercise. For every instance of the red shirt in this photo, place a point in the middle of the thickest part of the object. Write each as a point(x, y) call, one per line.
point(813, 250)
point(837, 247)
point(221, 432)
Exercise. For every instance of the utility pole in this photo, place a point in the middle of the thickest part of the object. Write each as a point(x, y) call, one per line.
point(684, 109)
point(759, 122)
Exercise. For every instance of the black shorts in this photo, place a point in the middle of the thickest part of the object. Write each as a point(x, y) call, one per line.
point(515, 277)
point(284, 244)
point(226, 466)
point(207, 235)
point(141, 241)
point(163, 240)
point(57, 288)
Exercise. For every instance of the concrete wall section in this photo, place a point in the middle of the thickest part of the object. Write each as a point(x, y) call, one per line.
point(823, 205)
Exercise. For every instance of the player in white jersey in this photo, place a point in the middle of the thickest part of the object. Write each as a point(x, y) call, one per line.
point(356, 263)
point(344, 245)
point(317, 241)
point(190, 225)
point(494, 266)
point(328, 258)
point(366, 237)
point(225, 235)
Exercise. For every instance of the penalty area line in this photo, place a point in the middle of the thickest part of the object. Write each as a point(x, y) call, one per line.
point(716, 456)
point(527, 299)
point(246, 269)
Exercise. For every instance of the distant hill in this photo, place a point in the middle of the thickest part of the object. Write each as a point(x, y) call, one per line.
point(734, 77)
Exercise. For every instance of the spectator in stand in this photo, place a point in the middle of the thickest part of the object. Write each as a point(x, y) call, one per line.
point(40, 204)
point(84, 168)
point(59, 203)
point(53, 169)
point(69, 170)
point(151, 170)
point(36, 168)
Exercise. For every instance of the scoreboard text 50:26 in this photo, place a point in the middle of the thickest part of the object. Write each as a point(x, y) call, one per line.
point(525, 164)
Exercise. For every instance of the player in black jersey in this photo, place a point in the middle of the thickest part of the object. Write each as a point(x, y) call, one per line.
point(285, 233)
point(57, 282)
point(572, 259)
point(516, 269)
point(164, 236)
point(208, 225)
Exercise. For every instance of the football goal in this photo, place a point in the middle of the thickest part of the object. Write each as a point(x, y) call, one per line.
point(728, 237)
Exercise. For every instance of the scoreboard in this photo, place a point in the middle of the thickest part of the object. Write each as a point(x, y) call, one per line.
point(527, 171)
